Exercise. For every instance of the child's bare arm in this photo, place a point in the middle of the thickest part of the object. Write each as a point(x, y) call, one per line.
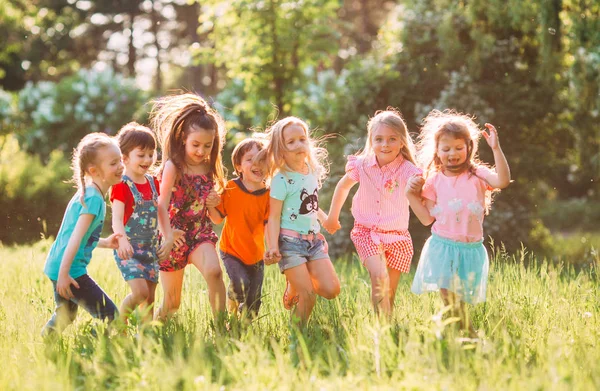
point(501, 178)
point(420, 208)
point(332, 224)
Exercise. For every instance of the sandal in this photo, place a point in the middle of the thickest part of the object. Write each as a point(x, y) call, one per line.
point(289, 302)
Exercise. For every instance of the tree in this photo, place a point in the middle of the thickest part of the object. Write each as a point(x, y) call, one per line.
point(265, 46)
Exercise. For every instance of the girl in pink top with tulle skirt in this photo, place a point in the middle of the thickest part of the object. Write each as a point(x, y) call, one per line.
point(455, 196)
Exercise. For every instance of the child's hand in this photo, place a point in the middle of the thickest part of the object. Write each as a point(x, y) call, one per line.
point(113, 241)
point(178, 238)
point(414, 185)
point(165, 249)
point(491, 137)
point(272, 256)
point(331, 226)
point(213, 199)
point(63, 286)
point(124, 249)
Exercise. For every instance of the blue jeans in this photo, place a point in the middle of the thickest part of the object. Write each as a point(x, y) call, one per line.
point(246, 282)
point(297, 251)
point(89, 295)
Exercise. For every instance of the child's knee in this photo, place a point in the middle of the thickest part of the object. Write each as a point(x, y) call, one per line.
point(140, 295)
point(331, 291)
point(213, 274)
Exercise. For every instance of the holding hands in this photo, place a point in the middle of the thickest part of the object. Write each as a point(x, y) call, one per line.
point(414, 185)
point(167, 245)
point(213, 199)
point(124, 250)
point(331, 225)
point(272, 256)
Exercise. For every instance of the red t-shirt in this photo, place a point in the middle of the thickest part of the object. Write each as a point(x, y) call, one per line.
point(121, 192)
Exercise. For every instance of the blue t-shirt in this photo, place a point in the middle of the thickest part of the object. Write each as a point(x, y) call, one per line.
point(96, 206)
point(300, 200)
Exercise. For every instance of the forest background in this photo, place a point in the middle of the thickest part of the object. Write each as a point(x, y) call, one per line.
point(70, 67)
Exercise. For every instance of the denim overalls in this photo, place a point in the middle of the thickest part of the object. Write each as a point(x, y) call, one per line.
point(141, 229)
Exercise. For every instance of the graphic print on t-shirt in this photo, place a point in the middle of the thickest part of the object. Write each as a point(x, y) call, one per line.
point(310, 202)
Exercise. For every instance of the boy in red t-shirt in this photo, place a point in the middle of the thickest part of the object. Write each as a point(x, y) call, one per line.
point(136, 216)
point(245, 208)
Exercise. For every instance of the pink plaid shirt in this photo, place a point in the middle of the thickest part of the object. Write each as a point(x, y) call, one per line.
point(380, 203)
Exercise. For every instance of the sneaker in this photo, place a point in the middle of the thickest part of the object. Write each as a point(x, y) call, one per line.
point(289, 302)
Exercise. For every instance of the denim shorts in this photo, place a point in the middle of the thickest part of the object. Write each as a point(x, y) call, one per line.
point(297, 251)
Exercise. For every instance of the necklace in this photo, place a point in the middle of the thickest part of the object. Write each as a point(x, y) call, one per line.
point(98, 187)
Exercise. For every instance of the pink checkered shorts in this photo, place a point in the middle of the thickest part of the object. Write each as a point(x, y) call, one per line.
point(398, 252)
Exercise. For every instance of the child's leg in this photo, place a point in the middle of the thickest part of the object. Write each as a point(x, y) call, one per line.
point(380, 283)
point(458, 309)
point(205, 258)
point(172, 282)
point(91, 297)
point(239, 281)
point(302, 285)
point(139, 294)
point(256, 276)
point(394, 277)
point(324, 278)
point(147, 307)
point(64, 314)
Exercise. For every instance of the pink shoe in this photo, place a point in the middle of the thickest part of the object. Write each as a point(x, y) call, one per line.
point(289, 302)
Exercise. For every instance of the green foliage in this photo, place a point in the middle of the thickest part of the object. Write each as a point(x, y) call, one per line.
point(266, 45)
point(34, 195)
point(57, 115)
point(6, 111)
point(44, 39)
point(541, 327)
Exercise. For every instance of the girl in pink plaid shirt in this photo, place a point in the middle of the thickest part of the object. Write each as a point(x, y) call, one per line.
point(380, 207)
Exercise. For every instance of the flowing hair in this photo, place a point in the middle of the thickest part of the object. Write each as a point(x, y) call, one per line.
point(458, 125)
point(272, 155)
point(174, 118)
point(392, 119)
point(85, 155)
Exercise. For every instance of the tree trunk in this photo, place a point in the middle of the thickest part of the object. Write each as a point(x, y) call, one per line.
point(132, 53)
point(154, 17)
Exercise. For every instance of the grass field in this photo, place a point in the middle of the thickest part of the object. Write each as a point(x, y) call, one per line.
point(541, 326)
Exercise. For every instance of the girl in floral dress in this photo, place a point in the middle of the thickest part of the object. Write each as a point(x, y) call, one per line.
point(192, 136)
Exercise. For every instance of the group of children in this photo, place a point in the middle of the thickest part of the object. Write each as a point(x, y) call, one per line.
point(161, 224)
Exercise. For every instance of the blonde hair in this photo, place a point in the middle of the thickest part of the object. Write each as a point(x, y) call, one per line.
point(458, 125)
point(273, 153)
point(85, 156)
point(392, 119)
point(174, 118)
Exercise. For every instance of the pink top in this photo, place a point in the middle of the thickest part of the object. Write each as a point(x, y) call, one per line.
point(380, 202)
point(459, 204)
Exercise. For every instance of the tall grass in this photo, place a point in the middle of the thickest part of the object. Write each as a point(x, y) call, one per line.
point(541, 325)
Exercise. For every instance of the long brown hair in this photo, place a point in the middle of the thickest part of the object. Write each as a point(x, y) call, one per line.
point(174, 118)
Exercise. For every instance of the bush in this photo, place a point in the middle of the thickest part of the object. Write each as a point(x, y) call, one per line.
point(6, 110)
point(34, 195)
point(57, 115)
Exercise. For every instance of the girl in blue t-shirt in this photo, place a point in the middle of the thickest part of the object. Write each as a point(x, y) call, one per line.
point(97, 166)
point(293, 239)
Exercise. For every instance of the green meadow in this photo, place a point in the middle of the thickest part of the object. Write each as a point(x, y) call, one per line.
point(540, 329)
